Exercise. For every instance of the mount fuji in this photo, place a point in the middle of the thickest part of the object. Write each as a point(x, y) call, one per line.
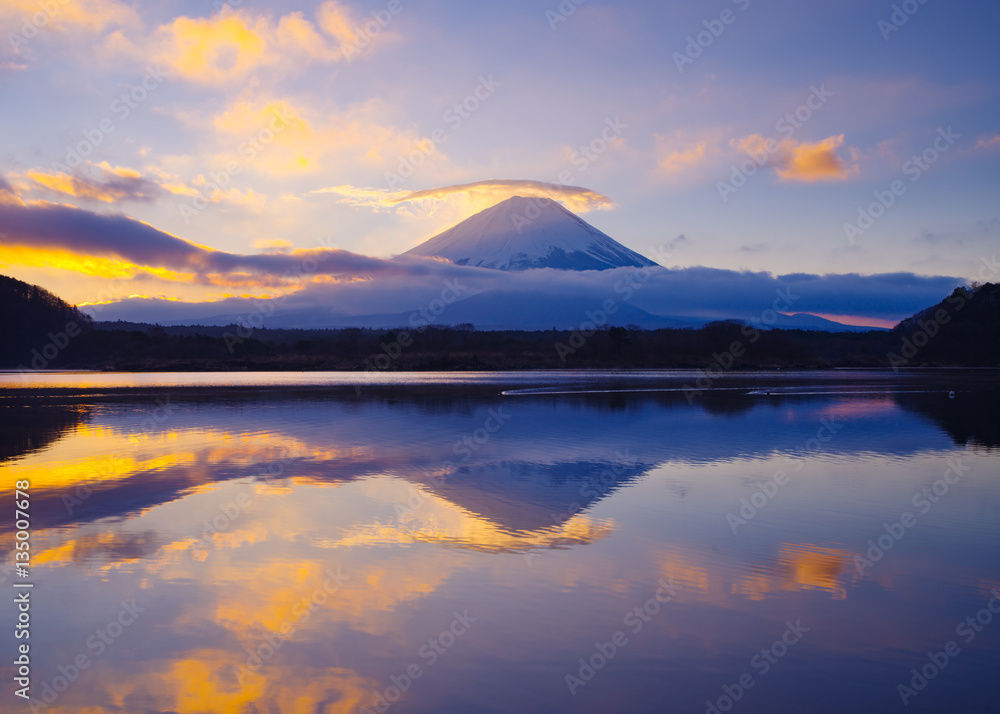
point(523, 233)
point(498, 248)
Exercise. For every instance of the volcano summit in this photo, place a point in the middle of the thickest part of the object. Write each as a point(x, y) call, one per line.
point(522, 233)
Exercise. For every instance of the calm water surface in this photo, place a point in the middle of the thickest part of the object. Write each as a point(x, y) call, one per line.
point(489, 542)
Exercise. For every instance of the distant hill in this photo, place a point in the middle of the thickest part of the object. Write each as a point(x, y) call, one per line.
point(35, 325)
point(490, 310)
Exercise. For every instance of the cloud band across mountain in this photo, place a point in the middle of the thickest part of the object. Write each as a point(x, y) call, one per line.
point(332, 281)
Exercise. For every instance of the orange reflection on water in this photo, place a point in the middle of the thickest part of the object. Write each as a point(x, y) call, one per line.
point(722, 580)
point(798, 567)
point(423, 516)
point(89, 454)
point(688, 568)
point(209, 680)
point(103, 455)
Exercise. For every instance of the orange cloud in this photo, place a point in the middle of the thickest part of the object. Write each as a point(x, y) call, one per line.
point(114, 184)
point(334, 18)
point(98, 266)
point(679, 161)
point(272, 136)
point(274, 244)
point(816, 162)
point(214, 50)
point(9, 193)
point(232, 44)
point(105, 183)
point(201, 186)
point(799, 161)
point(684, 152)
point(690, 154)
point(278, 139)
point(66, 15)
point(112, 268)
point(56, 235)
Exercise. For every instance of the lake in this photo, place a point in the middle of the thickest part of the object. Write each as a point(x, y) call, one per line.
point(505, 542)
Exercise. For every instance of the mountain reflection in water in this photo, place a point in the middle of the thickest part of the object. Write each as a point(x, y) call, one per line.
point(295, 549)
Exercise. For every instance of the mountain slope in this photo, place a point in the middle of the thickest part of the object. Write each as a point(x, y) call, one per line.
point(976, 307)
point(28, 314)
point(522, 233)
point(964, 328)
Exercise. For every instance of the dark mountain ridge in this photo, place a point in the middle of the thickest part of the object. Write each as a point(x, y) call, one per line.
point(41, 331)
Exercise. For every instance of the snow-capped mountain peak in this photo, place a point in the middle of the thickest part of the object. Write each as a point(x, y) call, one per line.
point(522, 233)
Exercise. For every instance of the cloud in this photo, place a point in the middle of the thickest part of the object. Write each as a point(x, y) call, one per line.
point(695, 292)
point(65, 15)
point(685, 153)
point(210, 191)
point(487, 193)
point(12, 66)
point(990, 144)
point(214, 50)
point(102, 182)
point(272, 245)
point(675, 162)
point(668, 249)
point(576, 198)
point(230, 45)
point(118, 184)
point(9, 194)
point(698, 155)
point(140, 247)
point(245, 117)
point(798, 161)
point(334, 18)
point(815, 162)
point(678, 242)
point(275, 137)
point(714, 293)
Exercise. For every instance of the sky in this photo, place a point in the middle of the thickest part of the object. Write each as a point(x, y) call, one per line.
point(196, 151)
